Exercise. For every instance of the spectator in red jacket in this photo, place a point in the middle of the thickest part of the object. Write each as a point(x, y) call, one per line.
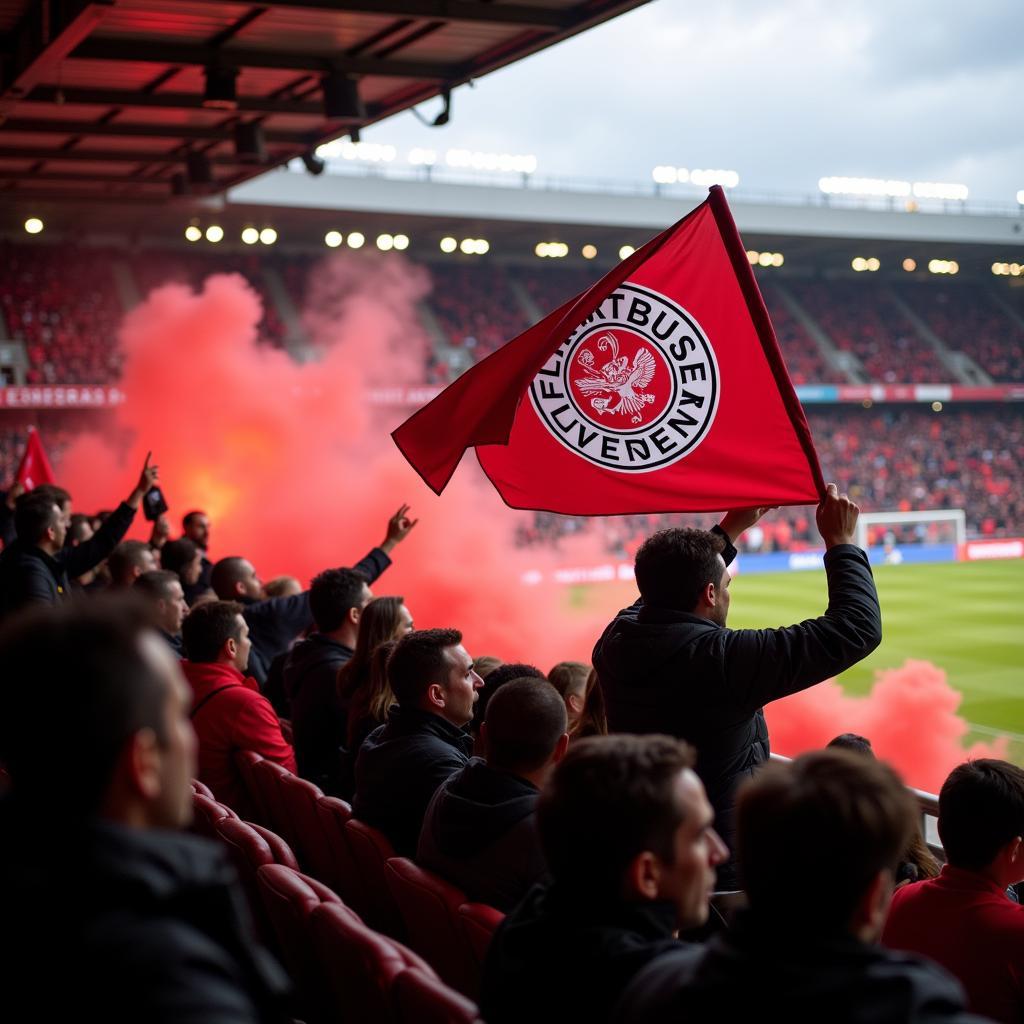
point(228, 711)
point(964, 919)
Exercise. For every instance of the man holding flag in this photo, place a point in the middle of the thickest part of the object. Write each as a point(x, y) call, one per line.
point(663, 389)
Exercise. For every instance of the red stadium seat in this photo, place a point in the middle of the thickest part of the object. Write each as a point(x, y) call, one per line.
point(267, 778)
point(371, 851)
point(206, 812)
point(360, 964)
point(420, 999)
point(344, 873)
point(289, 899)
point(245, 762)
point(430, 911)
point(479, 923)
point(300, 798)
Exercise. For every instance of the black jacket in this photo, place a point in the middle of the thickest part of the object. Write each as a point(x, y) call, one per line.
point(673, 672)
point(399, 767)
point(558, 959)
point(201, 585)
point(759, 971)
point(480, 832)
point(318, 715)
point(124, 925)
point(28, 575)
point(276, 622)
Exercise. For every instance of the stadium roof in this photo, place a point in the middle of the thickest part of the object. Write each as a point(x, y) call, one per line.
point(128, 99)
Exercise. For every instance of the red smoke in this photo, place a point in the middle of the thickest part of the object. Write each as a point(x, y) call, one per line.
point(298, 473)
point(910, 716)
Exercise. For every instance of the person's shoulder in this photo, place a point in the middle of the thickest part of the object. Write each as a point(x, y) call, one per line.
point(650, 993)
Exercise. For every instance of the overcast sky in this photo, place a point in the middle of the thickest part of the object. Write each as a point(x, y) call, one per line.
point(783, 92)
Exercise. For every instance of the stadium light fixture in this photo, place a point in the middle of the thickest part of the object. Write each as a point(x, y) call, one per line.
point(250, 235)
point(778, 259)
point(939, 190)
point(482, 247)
point(313, 162)
point(342, 101)
point(219, 92)
point(385, 242)
point(478, 161)
point(909, 265)
point(333, 239)
point(449, 244)
point(468, 246)
point(727, 179)
point(844, 186)
point(752, 257)
point(589, 252)
point(193, 233)
point(268, 236)
point(1020, 197)
point(422, 157)
point(446, 111)
point(626, 251)
point(943, 267)
point(401, 242)
point(214, 233)
point(33, 225)
point(356, 239)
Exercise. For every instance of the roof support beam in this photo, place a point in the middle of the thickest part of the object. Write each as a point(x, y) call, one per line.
point(119, 156)
point(157, 52)
point(48, 32)
point(193, 133)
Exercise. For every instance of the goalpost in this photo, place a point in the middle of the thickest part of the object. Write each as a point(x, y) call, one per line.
point(955, 517)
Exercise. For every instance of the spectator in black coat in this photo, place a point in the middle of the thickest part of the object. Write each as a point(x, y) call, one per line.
point(38, 568)
point(165, 597)
point(195, 527)
point(110, 913)
point(669, 663)
point(480, 831)
point(276, 623)
point(183, 557)
point(401, 764)
point(803, 951)
point(627, 833)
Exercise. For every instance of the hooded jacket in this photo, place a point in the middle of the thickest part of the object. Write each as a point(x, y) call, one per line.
point(480, 832)
point(759, 970)
point(399, 767)
point(230, 714)
point(674, 672)
point(558, 958)
point(319, 716)
point(117, 924)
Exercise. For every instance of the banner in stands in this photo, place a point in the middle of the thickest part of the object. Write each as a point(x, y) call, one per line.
point(85, 396)
point(660, 389)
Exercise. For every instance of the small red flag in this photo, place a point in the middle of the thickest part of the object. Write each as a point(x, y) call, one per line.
point(660, 389)
point(34, 468)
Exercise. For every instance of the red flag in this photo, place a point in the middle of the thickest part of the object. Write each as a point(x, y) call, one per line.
point(34, 468)
point(660, 389)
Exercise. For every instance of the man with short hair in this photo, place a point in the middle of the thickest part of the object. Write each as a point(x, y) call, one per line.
point(163, 592)
point(183, 557)
point(108, 913)
point(195, 528)
point(670, 664)
point(480, 830)
point(228, 711)
point(629, 840)
point(277, 622)
point(37, 568)
point(317, 711)
point(401, 764)
point(818, 842)
point(128, 561)
point(964, 919)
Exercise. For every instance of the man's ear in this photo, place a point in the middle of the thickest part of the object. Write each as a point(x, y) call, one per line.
point(709, 595)
point(230, 647)
point(643, 877)
point(560, 747)
point(354, 615)
point(436, 696)
point(872, 908)
point(142, 756)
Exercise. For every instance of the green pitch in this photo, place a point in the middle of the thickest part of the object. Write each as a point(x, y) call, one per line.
point(965, 617)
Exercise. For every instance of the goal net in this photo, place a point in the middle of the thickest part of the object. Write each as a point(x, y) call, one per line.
point(933, 526)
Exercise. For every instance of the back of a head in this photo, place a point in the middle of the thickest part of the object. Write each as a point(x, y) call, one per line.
point(332, 595)
point(127, 557)
point(175, 555)
point(486, 664)
point(419, 660)
point(569, 677)
point(156, 585)
point(830, 818)
point(207, 627)
point(674, 566)
point(981, 808)
point(58, 495)
point(282, 586)
point(34, 513)
point(851, 741)
point(609, 799)
point(76, 686)
point(525, 720)
point(496, 679)
point(80, 528)
point(226, 573)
